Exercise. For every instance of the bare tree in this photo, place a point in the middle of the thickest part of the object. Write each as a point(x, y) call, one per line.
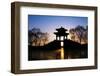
point(36, 37)
point(79, 34)
point(45, 38)
point(85, 35)
point(72, 34)
point(30, 37)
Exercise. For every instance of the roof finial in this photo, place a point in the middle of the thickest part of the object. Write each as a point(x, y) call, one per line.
point(61, 27)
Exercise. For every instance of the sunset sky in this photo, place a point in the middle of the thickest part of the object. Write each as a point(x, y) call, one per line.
point(50, 23)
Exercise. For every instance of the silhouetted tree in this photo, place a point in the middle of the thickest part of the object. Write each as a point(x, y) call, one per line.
point(33, 35)
point(30, 37)
point(36, 37)
point(85, 35)
point(72, 34)
point(79, 34)
point(45, 38)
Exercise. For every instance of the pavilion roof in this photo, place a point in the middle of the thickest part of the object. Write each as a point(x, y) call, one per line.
point(61, 32)
point(61, 29)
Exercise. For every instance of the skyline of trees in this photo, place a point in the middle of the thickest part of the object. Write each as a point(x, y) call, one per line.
point(38, 38)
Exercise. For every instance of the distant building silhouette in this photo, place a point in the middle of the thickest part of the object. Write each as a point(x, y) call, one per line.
point(61, 33)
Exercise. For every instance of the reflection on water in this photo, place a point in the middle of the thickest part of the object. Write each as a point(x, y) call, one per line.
point(56, 54)
point(62, 53)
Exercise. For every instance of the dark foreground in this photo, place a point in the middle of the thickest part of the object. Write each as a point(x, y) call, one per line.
point(53, 50)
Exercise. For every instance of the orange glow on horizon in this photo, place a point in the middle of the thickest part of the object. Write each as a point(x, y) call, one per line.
point(69, 37)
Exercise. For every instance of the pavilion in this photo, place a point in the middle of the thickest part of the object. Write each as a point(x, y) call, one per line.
point(61, 34)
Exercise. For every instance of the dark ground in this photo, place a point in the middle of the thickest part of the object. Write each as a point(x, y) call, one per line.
point(72, 50)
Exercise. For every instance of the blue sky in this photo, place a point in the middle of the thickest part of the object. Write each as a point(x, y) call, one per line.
point(50, 23)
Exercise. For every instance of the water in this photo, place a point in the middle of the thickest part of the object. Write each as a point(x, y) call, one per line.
point(56, 54)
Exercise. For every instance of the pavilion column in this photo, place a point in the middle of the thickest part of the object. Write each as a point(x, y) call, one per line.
point(64, 38)
point(59, 37)
point(56, 37)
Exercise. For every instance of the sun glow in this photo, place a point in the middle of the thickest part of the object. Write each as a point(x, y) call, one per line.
point(69, 37)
